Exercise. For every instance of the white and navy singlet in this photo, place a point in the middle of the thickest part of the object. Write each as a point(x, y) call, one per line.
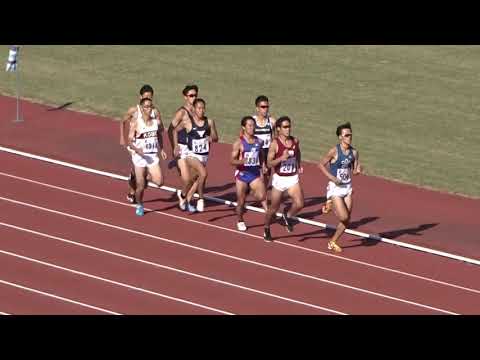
point(265, 132)
point(198, 138)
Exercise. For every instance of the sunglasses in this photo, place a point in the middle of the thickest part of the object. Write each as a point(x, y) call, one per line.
point(264, 106)
point(286, 127)
point(347, 135)
point(192, 95)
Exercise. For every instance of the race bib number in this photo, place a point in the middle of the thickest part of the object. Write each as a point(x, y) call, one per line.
point(151, 145)
point(251, 158)
point(200, 146)
point(343, 175)
point(266, 138)
point(288, 166)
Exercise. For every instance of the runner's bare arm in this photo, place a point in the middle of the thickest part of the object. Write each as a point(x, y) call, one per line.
point(125, 126)
point(299, 158)
point(161, 128)
point(213, 130)
point(131, 138)
point(177, 119)
point(274, 129)
point(331, 154)
point(161, 152)
point(176, 130)
point(357, 167)
point(235, 156)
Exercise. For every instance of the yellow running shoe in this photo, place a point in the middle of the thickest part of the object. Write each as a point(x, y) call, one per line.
point(333, 246)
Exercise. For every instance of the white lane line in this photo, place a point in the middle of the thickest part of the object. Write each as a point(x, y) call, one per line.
point(58, 297)
point(173, 269)
point(230, 256)
point(341, 258)
point(232, 203)
point(112, 282)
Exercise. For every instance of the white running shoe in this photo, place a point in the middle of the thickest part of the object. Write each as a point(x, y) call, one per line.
point(182, 202)
point(200, 205)
point(241, 226)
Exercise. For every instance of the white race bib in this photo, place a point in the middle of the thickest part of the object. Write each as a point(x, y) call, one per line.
point(266, 138)
point(344, 175)
point(200, 146)
point(288, 166)
point(251, 158)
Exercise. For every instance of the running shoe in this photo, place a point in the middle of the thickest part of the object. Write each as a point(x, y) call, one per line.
point(241, 226)
point(266, 235)
point(327, 207)
point(131, 198)
point(200, 205)
point(182, 202)
point(333, 246)
point(287, 221)
point(191, 208)
point(139, 210)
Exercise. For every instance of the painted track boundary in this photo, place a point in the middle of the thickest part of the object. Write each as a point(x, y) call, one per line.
point(249, 207)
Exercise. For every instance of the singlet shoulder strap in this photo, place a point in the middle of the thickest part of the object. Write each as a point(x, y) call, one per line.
point(188, 113)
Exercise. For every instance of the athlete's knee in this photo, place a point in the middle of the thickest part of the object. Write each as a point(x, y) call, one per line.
point(273, 208)
point(241, 200)
point(299, 203)
point(260, 195)
point(203, 172)
point(344, 218)
point(158, 181)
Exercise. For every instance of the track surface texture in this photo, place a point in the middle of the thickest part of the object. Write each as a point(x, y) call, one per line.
point(70, 244)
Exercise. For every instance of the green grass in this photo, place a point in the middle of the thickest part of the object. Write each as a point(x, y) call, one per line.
point(413, 109)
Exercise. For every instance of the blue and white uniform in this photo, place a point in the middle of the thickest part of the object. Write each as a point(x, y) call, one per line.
point(342, 170)
point(251, 170)
point(146, 138)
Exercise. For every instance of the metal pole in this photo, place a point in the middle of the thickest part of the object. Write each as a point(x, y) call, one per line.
point(17, 81)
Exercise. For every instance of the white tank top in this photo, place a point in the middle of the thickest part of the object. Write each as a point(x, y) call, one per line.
point(146, 137)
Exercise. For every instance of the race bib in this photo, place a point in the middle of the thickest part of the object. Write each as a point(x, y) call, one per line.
point(251, 158)
point(151, 145)
point(266, 138)
point(288, 166)
point(200, 146)
point(344, 175)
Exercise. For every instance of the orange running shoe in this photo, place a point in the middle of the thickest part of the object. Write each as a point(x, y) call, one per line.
point(327, 207)
point(333, 246)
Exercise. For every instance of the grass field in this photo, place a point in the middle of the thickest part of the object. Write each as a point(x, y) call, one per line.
point(414, 109)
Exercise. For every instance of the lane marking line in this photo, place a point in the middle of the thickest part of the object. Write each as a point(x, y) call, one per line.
point(57, 297)
point(81, 273)
point(230, 256)
point(171, 268)
point(253, 208)
point(342, 258)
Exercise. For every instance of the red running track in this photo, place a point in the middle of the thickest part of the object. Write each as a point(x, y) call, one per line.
point(405, 213)
point(71, 242)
